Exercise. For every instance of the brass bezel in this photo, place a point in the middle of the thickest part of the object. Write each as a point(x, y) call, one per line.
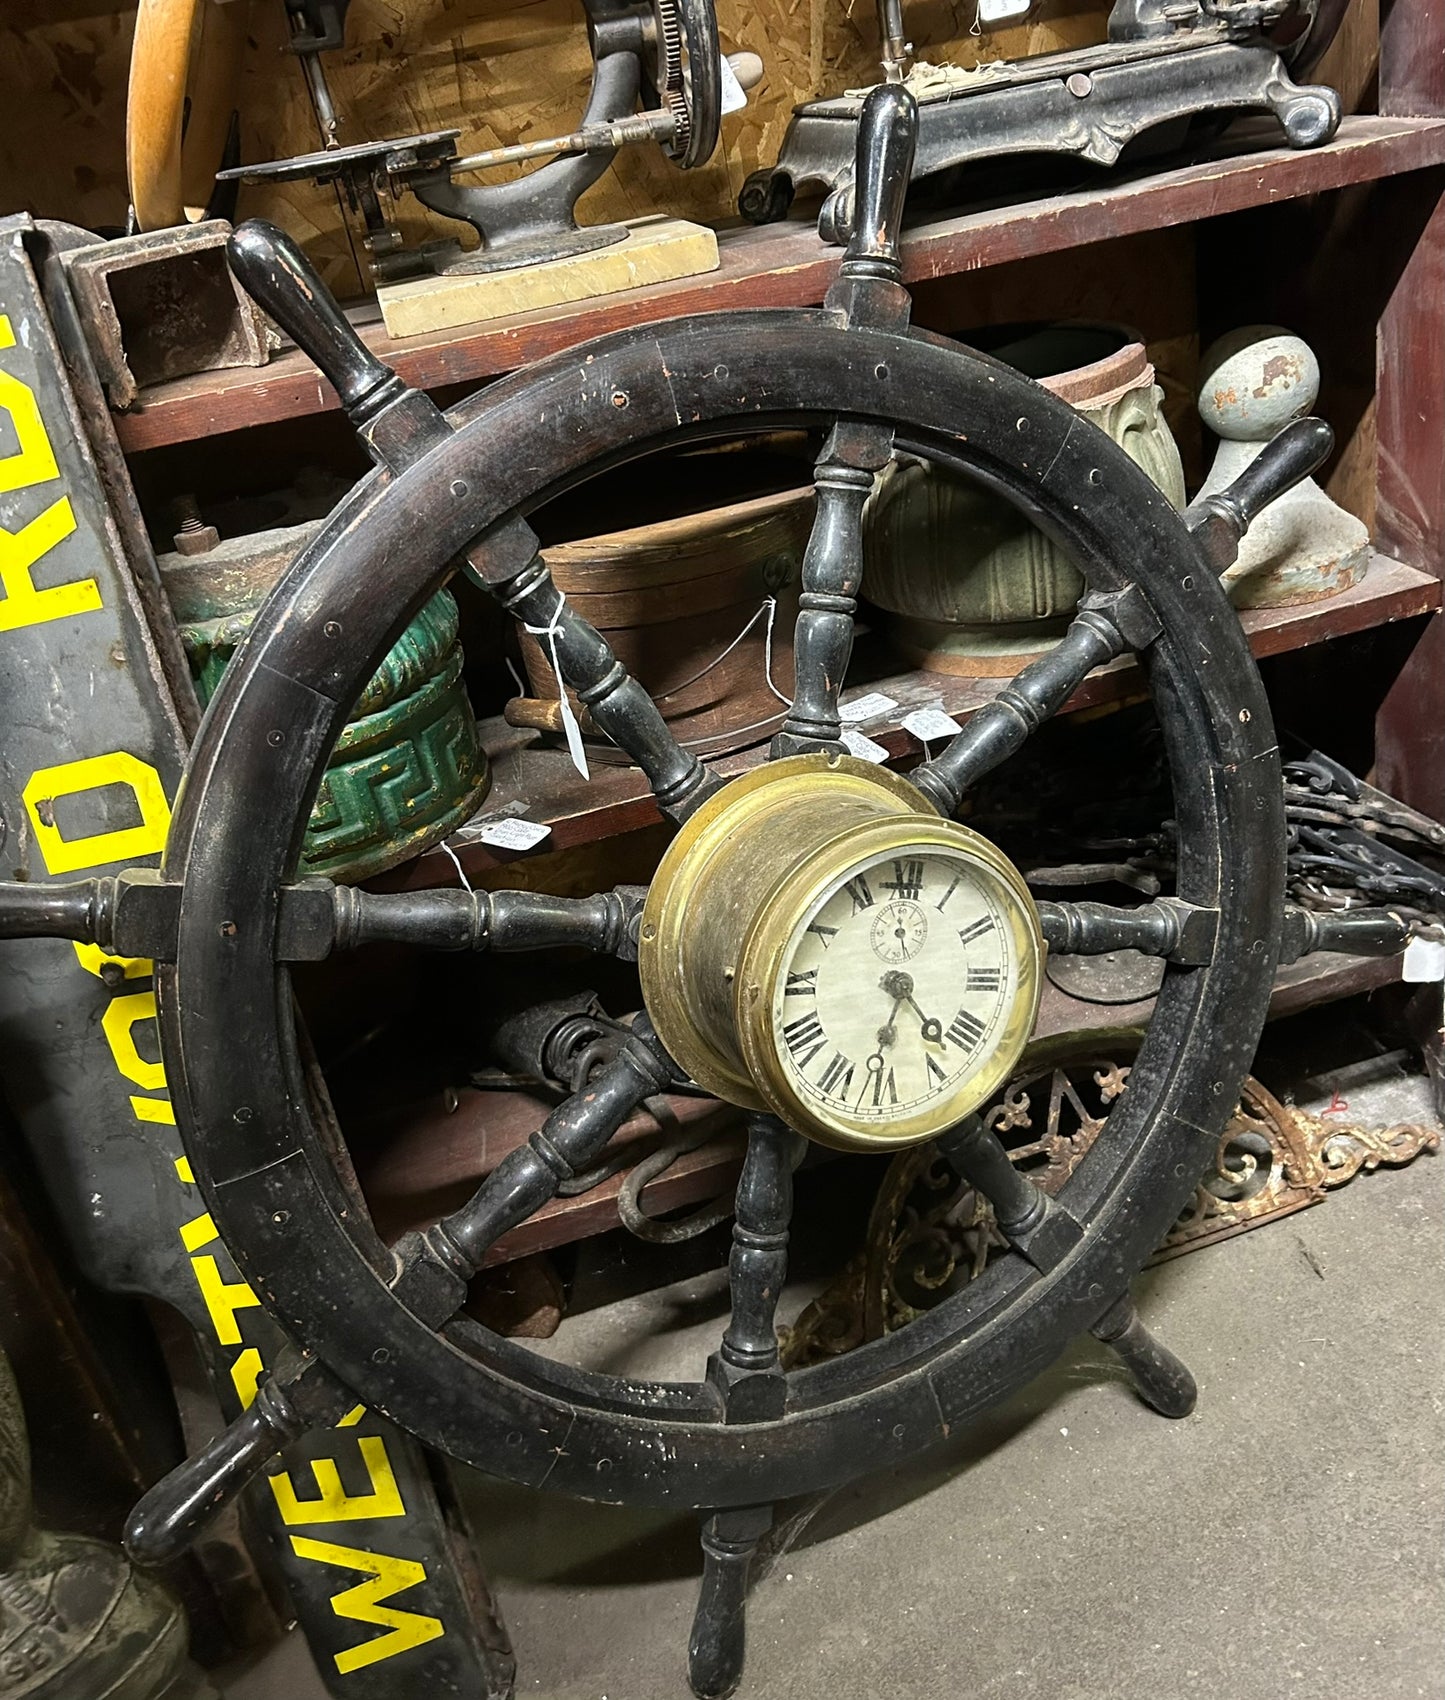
point(779, 804)
point(771, 941)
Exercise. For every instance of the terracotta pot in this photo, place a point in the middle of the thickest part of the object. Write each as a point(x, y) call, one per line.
point(671, 598)
point(967, 583)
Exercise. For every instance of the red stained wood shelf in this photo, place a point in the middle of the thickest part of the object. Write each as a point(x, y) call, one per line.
point(786, 265)
point(541, 783)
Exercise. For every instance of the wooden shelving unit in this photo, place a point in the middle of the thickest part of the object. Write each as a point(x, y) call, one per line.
point(786, 265)
point(539, 782)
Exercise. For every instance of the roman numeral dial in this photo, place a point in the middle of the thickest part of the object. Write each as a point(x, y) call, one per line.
point(901, 984)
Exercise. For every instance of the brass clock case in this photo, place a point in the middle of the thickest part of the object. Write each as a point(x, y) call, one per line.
point(785, 915)
point(737, 884)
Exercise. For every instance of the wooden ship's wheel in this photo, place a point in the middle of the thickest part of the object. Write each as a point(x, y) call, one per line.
point(822, 945)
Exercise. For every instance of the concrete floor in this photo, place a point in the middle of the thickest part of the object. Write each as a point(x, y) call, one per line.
point(1285, 1540)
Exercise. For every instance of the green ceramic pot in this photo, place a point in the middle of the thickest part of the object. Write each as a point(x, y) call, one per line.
point(407, 770)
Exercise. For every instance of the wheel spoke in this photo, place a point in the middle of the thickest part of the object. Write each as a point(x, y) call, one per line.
point(568, 1142)
point(1033, 1223)
point(832, 574)
point(1182, 932)
point(508, 561)
point(1171, 928)
point(70, 911)
point(318, 918)
point(1103, 629)
point(746, 1368)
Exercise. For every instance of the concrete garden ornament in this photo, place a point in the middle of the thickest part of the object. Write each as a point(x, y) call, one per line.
point(1303, 546)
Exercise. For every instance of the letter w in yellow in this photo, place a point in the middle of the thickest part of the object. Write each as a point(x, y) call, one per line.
point(363, 1603)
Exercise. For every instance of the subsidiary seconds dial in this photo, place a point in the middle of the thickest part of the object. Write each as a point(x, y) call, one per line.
point(898, 989)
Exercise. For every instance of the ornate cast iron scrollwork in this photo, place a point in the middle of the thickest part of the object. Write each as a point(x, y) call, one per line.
point(929, 1232)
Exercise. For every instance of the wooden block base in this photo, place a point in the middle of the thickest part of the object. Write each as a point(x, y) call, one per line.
point(655, 250)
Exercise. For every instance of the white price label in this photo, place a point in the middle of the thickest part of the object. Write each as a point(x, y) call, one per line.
point(513, 834)
point(1424, 960)
point(734, 97)
point(996, 11)
point(866, 708)
point(863, 747)
point(929, 724)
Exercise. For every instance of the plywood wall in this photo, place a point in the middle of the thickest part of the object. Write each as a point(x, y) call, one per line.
point(499, 70)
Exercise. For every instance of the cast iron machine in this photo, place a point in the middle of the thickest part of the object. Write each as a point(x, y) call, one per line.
point(657, 77)
point(882, 971)
point(1162, 65)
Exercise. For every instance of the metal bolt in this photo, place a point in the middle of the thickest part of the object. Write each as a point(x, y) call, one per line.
point(1079, 85)
point(195, 537)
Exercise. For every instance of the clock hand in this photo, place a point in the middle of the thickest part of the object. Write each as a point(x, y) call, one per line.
point(932, 1027)
point(899, 986)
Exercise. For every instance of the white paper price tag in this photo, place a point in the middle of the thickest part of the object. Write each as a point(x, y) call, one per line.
point(863, 747)
point(734, 97)
point(513, 834)
point(930, 724)
point(865, 708)
point(995, 11)
point(1424, 960)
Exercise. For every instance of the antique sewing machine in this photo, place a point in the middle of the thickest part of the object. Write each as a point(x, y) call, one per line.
point(1165, 63)
point(658, 77)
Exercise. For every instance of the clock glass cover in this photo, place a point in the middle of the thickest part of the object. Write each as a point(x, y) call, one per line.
point(898, 989)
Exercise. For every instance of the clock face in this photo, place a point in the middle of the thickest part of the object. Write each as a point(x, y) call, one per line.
point(896, 989)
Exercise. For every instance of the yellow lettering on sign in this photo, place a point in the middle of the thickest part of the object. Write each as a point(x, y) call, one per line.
point(245, 1373)
point(118, 1022)
point(199, 1231)
point(336, 1505)
point(33, 463)
point(223, 1298)
point(362, 1604)
point(94, 773)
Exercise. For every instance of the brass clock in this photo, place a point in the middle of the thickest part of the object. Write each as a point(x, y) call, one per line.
point(820, 943)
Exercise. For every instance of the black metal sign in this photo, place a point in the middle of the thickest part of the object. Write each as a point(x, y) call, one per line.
point(379, 1574)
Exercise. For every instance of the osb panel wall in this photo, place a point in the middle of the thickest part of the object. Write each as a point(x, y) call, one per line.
point(63, 67)
point(497, 70)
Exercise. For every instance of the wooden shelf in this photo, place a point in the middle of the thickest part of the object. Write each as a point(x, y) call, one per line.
point(786, 265)
point(541, 783)
point(436, 1153)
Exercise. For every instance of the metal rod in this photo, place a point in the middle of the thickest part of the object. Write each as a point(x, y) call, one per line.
point(659, 126)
